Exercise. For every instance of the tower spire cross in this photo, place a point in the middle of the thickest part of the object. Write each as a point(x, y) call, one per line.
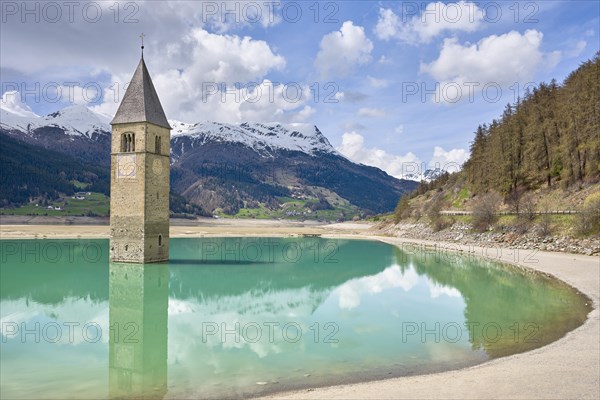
point(142, 37)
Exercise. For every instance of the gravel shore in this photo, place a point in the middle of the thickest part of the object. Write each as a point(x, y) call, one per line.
point(462, 233)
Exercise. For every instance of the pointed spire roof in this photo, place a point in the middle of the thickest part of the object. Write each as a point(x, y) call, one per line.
point(140, 102)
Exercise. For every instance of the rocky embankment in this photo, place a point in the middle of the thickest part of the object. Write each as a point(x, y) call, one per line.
point(462, 233)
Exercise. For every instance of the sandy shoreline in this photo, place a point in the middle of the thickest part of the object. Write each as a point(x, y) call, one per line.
point(199, 228)
point(567, 368)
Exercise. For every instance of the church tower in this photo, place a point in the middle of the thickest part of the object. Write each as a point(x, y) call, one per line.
point(139, 183)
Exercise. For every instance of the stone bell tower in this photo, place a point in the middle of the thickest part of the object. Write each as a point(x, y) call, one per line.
point(139, 183)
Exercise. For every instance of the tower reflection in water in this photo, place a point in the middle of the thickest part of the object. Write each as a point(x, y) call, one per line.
point(138, 298)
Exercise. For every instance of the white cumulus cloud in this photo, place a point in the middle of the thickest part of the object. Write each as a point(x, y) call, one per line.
point(74, 43)
point(353, 147)
point(221, 78)
point(400, 166)
point(341, 51)
point(434, 20)
point(209, 57)
point(503, 59)
point(499, 60)
point(450, 160)
point(11, 101)
point(388, 24)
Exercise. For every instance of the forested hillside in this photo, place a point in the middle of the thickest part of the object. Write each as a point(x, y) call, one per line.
point(29, 171)
point(551, 135)
point(541, 157)
point(245, 170)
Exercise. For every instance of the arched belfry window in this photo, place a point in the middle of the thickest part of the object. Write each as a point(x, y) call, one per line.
point(157, 144)
point(127, 142)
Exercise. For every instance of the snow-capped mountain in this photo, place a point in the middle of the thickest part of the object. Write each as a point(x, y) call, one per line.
point(428, 175)
point(218, 165)
point(78, 120)
point(263, 138)
point(432, 174)
point(74, 120)
point(75, 130)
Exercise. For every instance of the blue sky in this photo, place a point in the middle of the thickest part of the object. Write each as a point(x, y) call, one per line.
point(367, 73)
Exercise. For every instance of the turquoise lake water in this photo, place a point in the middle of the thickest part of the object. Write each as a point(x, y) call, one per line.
point(234, 317)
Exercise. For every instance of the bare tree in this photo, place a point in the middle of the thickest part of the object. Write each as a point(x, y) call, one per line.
point(545, 224)
point(527, 210)
point(484, 211)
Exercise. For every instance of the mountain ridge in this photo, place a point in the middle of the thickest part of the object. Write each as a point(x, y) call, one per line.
point(81, 120)
point(275, 163)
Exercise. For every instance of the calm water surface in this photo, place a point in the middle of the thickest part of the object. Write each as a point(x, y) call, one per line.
point(241, 316)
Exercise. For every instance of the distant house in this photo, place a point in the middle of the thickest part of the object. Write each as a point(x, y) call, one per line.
point(57, 209)
point(50, 208)
point(80, 198)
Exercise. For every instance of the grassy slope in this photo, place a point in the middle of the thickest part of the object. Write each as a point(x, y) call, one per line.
point(455, 196)
point(96, 204)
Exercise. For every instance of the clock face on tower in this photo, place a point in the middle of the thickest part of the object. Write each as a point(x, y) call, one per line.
point(126, 166)
point(157, 167)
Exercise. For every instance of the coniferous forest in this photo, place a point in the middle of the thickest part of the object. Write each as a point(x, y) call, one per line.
point(551, 136)
point(544, 147)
